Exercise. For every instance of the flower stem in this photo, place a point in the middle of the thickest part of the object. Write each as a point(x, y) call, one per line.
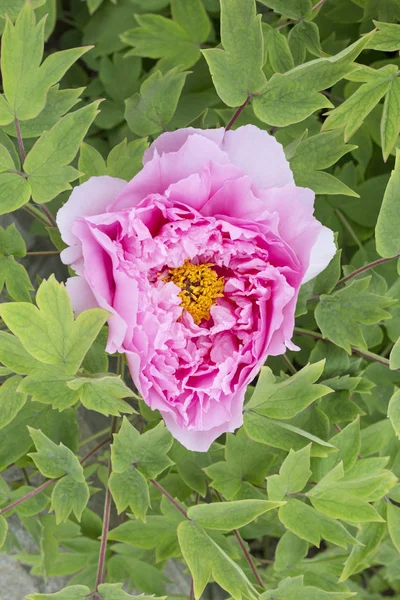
point(50, 482)
point(48, 214)
point(238, 113)
point(20, 141)
point(246, 554)
point(169, 497)
point(364, 353)
point(191, 593)
point(371, 265)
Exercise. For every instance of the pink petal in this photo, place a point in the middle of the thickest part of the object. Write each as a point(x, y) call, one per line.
point(172, 141)
point(81, 295)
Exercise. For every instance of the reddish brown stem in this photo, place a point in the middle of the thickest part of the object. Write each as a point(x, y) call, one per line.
point(104, 536)
point(44, 253)
point(169, 497)
point(371, 265)
point(238, 113)
point(20, 141)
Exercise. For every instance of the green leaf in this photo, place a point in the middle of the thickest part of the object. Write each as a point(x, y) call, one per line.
point(15, 191)
point(69, 495)
point(12, 242)
point(226, 516)
point(393, 521)
point(114, 591)
point(26, 82)
point(130, 489)
point(16, 279)
point(290, 550)
point(387, 229)
point(246, 460)
point(120, 75)
point(12, 8)
point(237, 69)
point(6, 162)
point(190, 467)
point(326, 281)
point(147, 451)
point(324, 183)
point(11, 401)
point(49, 332)
point(3, 530)
point(158, 532)
point(394, 412)
point(293, 588)
point(46, 163)
point(49, 386)
point(75, 592)
point(90, 163)
point(304, 521)
point(293, 96)
point(125, 160)
point(293, 475)
point(53, 460)
point(390, 124)
point(205, 559)
point(339, 505)
point(353, 111)
point(283, 435)
point(348, 443)
point(14, 356)
point(293, 9)
point(33, 505)
point(158, 37)
point(192, 18)
point(395, 356)
point(304, 36)
point(387, 38)
point(339, 315)
point(150, 111)
point(285, 399)
point(103, 394)
point(278, 51)
point(370, 536)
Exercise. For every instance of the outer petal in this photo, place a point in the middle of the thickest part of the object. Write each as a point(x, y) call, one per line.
point(259, 155)
point(322, 253)
point(81, 295)
point(172, 141)
point(90, 198)
point(200, 441)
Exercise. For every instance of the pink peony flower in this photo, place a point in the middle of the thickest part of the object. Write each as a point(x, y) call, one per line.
point(199, 259)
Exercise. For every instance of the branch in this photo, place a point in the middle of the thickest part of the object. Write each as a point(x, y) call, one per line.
point(238, 113)
point(169, 497)
point(371, 265)
point(44, 253)
point(20, 141)
point(50, 482)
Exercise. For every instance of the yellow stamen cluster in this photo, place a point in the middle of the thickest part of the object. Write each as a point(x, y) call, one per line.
point(200, 287)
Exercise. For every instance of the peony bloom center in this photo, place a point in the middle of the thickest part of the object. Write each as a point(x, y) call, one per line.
point(200, 287)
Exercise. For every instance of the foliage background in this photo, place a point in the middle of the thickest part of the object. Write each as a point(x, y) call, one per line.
point(303, 501)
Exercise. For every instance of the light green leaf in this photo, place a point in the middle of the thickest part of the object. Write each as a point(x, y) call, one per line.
point(130, 489)
point(16, 279)
point(293, 9)
point(390, 124)
point(3, 530)
point(369, 537)
point(6, 162)
point(53, 460)
point(15, 191)
point(304, 521)
point(158, 37)
point(46, 163)
point(49, 386)
point(147, 451)
point(11, 401)
point(277, 50)
point(114, 591)
point(395, 356)
point(193, 18)
point(353, 111)
point(75, 592)
point(6, 113)
point(324, 183)
point(339, 505)
point(33, 505)
point(327, 280)
point(290, 550)
point(151, 110)
point(49, 332)
point(387, 229)
point(125, 160)
point(14, 356)
point(103, 394)
point(339, 315)
point(293, 96)
point(394, 412)
point(393, 521)
point(90, 163)
point(190, 467)
point(237, 69)
point(387, 38)
point(25, 81)
point(12, 8)
point(12, 242)
point(285, 399)
point(69, 495)
point(283, 435)
point(226, 516)
point(205, 559)
point(293, 588)
point(293, 475)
